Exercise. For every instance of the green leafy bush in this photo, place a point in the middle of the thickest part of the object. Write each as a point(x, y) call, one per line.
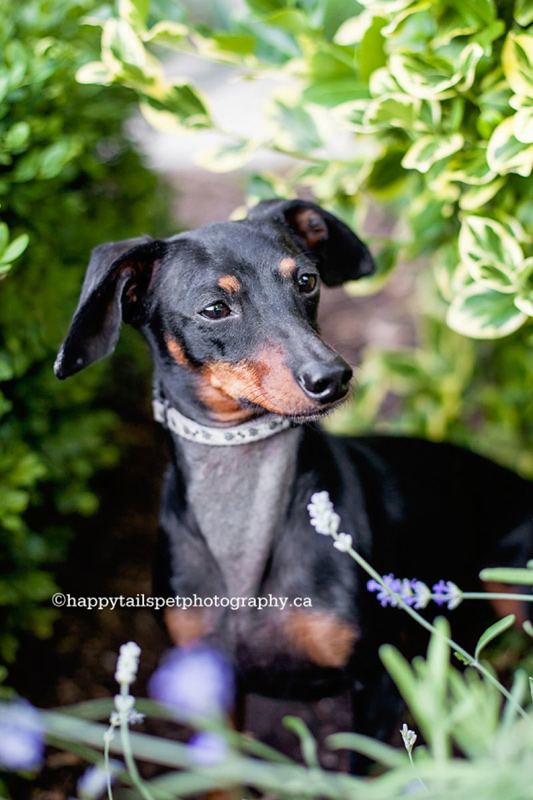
point(68, 180)
point(424, 109)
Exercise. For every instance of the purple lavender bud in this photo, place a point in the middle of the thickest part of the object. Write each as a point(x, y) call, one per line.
point(195, 681)
point(447, 592)
point(412, 592)
point(440, 593)
point(21, 736)
point(207, 749)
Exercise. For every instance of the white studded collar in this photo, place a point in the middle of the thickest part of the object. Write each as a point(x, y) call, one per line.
point(186, 428)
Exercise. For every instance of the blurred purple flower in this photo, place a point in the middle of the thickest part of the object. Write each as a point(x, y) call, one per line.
point(21, 736)
point(93, 783)
point(195, 681)
point(447, 592)
point(208, 749)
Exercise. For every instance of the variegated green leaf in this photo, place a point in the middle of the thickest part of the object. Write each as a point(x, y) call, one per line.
point(427, 150)
point(517, 61)
point(429, 77)
point(125, 56)
point(392, 111)
point(476, 197)
point(167, 32)
point(482, 313)
point(177, 106)
point(293, 127)
point(94, 72)
point(524, 298)
point(523, 125)
point(226, 157)
point(483, 243)
point(134, 11)
point(505, 153)
point(523, 12)
point(470, 166)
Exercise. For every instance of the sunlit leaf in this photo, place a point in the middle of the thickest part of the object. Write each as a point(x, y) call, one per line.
point(483, 313)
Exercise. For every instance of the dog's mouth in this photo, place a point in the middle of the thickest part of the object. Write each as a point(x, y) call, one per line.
point(319, 413)
point(301, 415)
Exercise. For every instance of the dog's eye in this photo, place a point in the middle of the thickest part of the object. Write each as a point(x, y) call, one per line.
point(216, 311)
point(307, 283)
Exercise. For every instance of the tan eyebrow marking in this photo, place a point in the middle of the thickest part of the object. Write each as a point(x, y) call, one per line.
point(176, 351)
point(287, 266)
point(230, 284)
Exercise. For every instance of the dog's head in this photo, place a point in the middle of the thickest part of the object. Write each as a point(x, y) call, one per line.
point(229, 310)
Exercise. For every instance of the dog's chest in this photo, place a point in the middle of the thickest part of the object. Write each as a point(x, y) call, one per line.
point(239, 497)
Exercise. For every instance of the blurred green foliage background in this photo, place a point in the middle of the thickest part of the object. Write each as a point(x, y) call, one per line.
point(421, 110)
point(69, 180)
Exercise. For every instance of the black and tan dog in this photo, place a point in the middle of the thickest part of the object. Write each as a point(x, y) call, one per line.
point(229, 312)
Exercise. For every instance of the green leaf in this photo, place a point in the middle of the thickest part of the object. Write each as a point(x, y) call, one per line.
point(523, 12)
point(4, 236)
point(166, 32)
point(427, 150)
point(517, 62)
point(371, 748)
point(226, 157)
point(371, 53)
point(505, 153)
point(94, 72)
point(134, 12)
point(17, 136)
point(178, 107)
point(15, 249)
point(55, 158)
point(523, 125)
point(293, 128)
point(491, 254)
point(307, 741)
point(470, 166)
point(124, 54)
point(508, 575)
point(476, 197)
point(333, 93)
point(492, 632)
point(426, 76)
point(483, 313)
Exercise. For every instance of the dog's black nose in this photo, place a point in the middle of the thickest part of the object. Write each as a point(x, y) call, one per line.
point(326, 382)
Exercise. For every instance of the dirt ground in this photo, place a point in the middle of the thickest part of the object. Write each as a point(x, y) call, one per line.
point(112, 552)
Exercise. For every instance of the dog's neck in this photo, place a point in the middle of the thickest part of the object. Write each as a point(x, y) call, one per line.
point(186, 428)
point(239, 495)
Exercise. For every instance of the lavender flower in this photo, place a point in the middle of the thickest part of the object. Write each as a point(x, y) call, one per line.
point(415, 593)
point(384, 597)
point(195, 681)
point(125, 711)
point(128, 663)
point(409, 738)
point(207, 749)
point(343, 543)
point(322, 514)
point(21, 736)
point(447, 592)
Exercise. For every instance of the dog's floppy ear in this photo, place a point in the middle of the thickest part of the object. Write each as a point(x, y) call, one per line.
point(341, 255)
point(115, 284)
